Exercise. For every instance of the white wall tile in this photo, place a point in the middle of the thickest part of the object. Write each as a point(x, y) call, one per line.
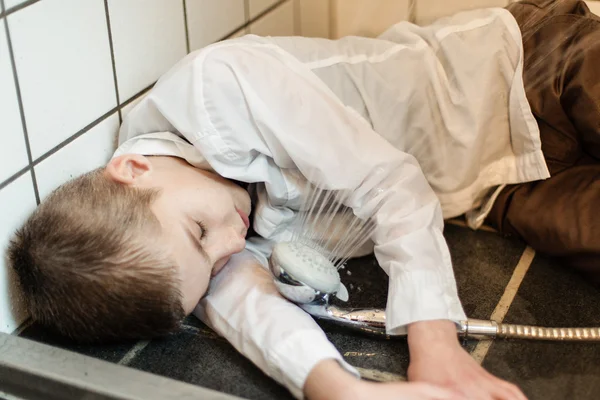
point(13, 155)
point(64, 68)
point(255, 7)
point(594, 6)
point(17, 201)
point(366, 17)
point(430, 10)
point(314, 18)
point(209, 20)
point(92, 150)
point(148, 38)
point(279, 22)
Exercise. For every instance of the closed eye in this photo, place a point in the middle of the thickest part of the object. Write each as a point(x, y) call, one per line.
point(203, 230)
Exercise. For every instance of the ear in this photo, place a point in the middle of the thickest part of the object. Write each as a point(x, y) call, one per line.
point(128, 168)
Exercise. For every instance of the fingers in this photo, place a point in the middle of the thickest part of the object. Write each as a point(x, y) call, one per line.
point(437, 393)
point(499, 389)
point(507, 391)
point(491, 388)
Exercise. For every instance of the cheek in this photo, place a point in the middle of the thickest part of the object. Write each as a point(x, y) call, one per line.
point(194, 284)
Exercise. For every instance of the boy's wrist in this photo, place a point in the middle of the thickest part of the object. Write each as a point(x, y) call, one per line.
point(328, 380)
point(425, 334)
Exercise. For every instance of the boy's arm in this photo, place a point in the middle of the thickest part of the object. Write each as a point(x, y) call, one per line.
point(244, 306)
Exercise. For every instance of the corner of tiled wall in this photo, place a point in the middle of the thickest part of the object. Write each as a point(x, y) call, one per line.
point(70, 70)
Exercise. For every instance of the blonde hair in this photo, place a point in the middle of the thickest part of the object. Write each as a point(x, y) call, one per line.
point(89, 265)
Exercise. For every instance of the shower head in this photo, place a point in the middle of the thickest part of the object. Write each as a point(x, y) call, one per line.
point(304, 275)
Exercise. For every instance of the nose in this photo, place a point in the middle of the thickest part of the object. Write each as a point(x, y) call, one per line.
point(228, 244)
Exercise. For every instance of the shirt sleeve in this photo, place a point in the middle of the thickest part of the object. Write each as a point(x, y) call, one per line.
point(252, 105)
point(244, 306)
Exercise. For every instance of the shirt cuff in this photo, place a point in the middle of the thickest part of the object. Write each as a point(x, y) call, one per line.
point(296, 357)
point(421, 296)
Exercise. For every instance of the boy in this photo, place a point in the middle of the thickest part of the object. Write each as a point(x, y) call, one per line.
point(420, 124)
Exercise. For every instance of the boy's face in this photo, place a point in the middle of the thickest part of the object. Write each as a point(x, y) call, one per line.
point(204, 217)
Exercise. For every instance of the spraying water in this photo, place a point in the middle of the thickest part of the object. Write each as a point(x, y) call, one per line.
point(326, 225)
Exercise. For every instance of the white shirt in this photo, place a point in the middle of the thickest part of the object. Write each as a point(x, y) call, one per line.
point(426, 122)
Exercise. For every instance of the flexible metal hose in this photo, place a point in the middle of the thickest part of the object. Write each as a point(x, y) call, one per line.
point(485, 329)
point(511, 331)
point(372, 321)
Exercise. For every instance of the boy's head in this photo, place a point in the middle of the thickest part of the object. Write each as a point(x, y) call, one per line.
point(128, 250)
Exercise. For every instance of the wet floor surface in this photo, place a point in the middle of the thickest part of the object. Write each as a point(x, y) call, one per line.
point(484, 265)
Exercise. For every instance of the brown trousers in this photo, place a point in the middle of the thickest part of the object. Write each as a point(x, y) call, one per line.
point(560, 216)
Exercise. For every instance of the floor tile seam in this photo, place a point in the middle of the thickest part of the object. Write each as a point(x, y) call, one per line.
point(503, 305)
point(133, 352)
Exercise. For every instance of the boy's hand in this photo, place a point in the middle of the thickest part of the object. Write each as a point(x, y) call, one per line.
point(437, 358)
point(329, 381)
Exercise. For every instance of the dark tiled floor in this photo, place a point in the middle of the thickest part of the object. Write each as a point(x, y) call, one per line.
point(107, 352)
point(201, 357)
point(551, 296)
point(484, 263)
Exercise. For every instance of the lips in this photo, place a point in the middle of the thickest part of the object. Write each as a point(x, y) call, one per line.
point(244, 218)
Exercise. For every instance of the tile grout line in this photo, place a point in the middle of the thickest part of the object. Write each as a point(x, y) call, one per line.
point(251, 21)
point(24, 325)
point(133, 352)
point(412, 11)
point(112, 58)
point(18, 7)
point(297, 18)
point(137, 95)
point(482, 348)
point(185, 25)
point(332, 27)
point(58, 147)
point(15, 176)
point(72, 138)
point(13, 63)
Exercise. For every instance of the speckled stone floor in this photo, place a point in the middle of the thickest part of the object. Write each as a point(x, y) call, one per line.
point(484, 262)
